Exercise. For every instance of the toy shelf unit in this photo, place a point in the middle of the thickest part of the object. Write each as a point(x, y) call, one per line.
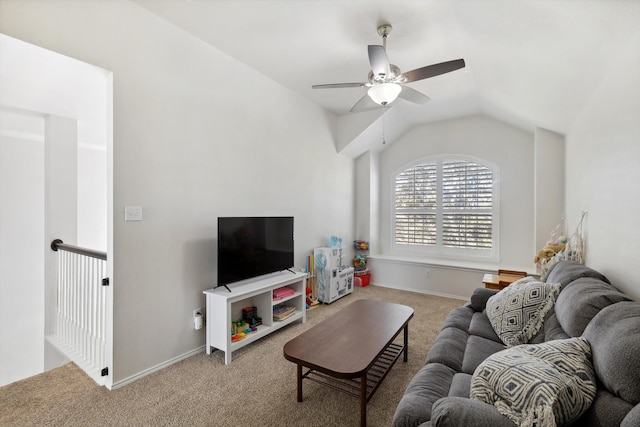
point(361, 273)
point(333, 280)
point(224, 307)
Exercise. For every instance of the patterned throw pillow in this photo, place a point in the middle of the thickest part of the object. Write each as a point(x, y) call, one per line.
point(517, 312)
point(546, 384)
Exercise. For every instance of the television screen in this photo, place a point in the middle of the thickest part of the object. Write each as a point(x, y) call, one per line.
point(253, 246)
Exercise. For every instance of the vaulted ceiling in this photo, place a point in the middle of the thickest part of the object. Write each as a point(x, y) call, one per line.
point(530, 63)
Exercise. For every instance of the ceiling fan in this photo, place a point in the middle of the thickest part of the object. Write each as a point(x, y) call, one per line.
point(386, 81)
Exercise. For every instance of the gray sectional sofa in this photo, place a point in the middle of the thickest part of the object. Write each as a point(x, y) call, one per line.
point(587, 305)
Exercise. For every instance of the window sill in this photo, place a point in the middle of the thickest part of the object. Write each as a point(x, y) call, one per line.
point(483, 266)
point(490, 265)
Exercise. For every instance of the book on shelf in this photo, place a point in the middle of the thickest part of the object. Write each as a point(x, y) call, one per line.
point(283, 292)
point(281, 311)
point(285, 316)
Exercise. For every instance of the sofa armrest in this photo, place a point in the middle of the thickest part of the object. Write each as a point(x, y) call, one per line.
point(632, 418)
point(480, 296)
point(460, 411)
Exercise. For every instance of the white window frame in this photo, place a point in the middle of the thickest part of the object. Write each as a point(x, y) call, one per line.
point(438, 250)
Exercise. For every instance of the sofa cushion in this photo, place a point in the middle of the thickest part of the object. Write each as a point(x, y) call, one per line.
point(477, 350)
point(459, 318)
point(480, 296)
point(614, 334)
point(633, 418)
point(432, 382)
point(547, 383)
point(460, 385)
point(606, 410)
point(481, 327)
point(517, 312)
point(581, 300)
point(552, 328)
point(457, 412)
point(448, 348)
point(565, 272)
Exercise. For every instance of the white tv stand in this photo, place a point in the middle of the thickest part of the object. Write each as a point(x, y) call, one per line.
point(223, 307)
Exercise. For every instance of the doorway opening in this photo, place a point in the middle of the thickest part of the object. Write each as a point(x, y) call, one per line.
point(55, 182)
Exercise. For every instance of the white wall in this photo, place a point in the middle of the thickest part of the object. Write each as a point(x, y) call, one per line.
point(549, 160)
point(479, 136)
point(197, 135)
point(21, 236)
point(92, 196)
point(367, 197)
point(603, 171)
point(424, 277)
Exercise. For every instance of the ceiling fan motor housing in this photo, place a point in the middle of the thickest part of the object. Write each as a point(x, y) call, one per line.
point(394, 73)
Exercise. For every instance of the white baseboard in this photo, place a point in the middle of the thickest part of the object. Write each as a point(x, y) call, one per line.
point(422, 291)
point(200, 349)
point(158, 367)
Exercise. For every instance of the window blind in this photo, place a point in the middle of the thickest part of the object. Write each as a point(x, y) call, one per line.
point(415, 205)
point(445, 203)
point(467, 201)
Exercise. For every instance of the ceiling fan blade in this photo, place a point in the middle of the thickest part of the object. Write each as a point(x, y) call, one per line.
point(413, 95)
point(433, 70)
point(365, 103)
point(337, 85)
point(379, 62)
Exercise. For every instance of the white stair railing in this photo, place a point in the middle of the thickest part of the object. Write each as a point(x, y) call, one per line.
point(81, 308)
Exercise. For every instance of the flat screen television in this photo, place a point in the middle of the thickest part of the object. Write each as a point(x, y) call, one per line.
point(253, 246)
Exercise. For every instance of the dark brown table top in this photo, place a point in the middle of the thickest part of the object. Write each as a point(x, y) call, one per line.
point(346, 344)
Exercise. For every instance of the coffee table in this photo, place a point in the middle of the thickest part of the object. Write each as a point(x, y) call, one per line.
point(353, 350)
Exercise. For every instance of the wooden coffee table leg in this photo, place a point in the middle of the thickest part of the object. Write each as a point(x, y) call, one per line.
point(406, 342)
point(363, 400)
point(299, 383)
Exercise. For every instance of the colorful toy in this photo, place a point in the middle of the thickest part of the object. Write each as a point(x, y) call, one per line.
point(311, 303)
point(237, 337)
point(359, 262)
point(239, 326)
point(361, 245)
point(360, 259)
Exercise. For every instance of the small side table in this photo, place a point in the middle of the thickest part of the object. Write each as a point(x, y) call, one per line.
point(498, 281)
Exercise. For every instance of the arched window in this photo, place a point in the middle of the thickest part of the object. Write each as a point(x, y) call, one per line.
point(446, 205)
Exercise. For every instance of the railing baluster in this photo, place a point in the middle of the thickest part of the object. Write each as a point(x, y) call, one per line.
point(81, 299)
point(92, 310)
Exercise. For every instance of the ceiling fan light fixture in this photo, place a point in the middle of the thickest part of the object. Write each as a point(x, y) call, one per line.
point(384, 93)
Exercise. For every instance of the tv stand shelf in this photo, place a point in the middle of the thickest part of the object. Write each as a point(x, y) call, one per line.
point(223, 307)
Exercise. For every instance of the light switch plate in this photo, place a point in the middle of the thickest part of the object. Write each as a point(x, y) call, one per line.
point(133, 213)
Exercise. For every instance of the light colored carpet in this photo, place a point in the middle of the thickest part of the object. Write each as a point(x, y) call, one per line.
point(258, 388)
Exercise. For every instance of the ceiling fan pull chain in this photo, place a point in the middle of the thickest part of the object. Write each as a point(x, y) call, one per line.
point(384, 113)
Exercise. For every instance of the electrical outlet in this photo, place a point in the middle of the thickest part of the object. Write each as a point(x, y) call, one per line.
point(198, 318)
point(427, 273)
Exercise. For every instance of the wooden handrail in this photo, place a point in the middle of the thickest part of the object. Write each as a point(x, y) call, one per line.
point(58, 244)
